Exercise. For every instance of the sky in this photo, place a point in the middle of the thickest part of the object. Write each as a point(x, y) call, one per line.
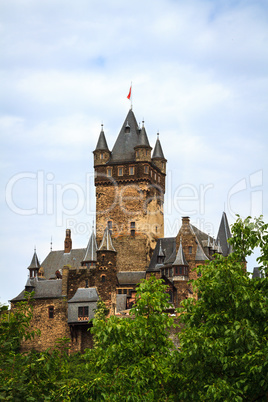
point(199, 73)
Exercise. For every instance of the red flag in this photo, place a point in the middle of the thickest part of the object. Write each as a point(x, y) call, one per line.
point(129, 94)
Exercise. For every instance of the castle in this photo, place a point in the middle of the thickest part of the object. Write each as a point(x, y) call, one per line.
point(129, 245)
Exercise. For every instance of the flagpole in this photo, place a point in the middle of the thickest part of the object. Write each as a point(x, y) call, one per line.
point(131, 97)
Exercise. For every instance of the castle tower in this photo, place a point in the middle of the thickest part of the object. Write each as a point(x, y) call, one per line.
point(130, 187)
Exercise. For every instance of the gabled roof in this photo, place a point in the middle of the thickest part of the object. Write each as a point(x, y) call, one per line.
point(158, 152)
point(106, 243)
point(91, 251)
point(102, 143)
point(127, 140)
point(34, 263)
point(180, 257)
point(224, 234)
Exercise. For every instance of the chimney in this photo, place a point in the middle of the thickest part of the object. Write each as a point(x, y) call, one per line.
point(68, 242)
point(185, 220)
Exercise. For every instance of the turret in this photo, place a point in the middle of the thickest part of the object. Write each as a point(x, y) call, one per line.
point(34, 266)
point(180, 265)
point(90, 258)
point(143, 149)
point(101, 153)
point(158, 156)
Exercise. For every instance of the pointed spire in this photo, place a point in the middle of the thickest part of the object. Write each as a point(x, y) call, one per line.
point(224, 234)
point(91, 251)
point(35, 263)
point(34, 266)
point(143, 139)
point(160, 253)
point(158, 152)
point(127, 140)
point(180, 257)
point(102, 143)
point(106, 243)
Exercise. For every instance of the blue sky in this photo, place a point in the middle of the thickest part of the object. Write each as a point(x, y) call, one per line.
point(200, 76)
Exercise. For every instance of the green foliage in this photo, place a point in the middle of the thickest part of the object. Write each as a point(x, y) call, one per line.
point(223, 354)
point(224, 340)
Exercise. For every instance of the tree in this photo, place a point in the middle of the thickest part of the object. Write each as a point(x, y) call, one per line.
point(224, 341)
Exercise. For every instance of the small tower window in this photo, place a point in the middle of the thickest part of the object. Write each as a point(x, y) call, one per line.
point(131, 170)
point(155, 176)
point(146, 152)
point(137, 154)
point(101, 155)
point(120, 171)
point(109, 172)
point(86, 283)
point(163, 165)
point(146, 169)
point(51, 312)
point(103, 278)
point(132, 228)
point(190, 249)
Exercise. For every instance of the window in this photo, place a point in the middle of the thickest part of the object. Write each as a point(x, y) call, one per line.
point(132, 228)
point(109, 172)
point(155, 176)
point(103, 278)
point(190, 249)
point(137, 154)
point(170, 271)
point(146, 152)
point(146, 169)
point(83, 313)
point(120, 171)
point(86, 284)
point(101, 155)
point(131, 170)
point(163, 165)
point(158, 179)
point(51, 312)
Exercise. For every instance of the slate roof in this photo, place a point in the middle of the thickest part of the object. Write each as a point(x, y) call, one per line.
point(130, 277)
point(121, 303)
point(158, 152)
point(168, 245)
point(91, 251)
point(106, 243)
point(56, 260)
point(85, 295)
point(126, 141)
point(180, 257)
point(143, 139)
point(44, 289)
point(223, 235)
point(200, 254)
point(256, 273)
point(102, 143)
point(35, 262)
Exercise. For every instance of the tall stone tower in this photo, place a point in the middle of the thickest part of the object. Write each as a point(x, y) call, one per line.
point(130, 187)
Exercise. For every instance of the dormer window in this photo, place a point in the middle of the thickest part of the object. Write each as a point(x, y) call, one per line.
point(109, 172)
point(120, 171)
point(146, 169)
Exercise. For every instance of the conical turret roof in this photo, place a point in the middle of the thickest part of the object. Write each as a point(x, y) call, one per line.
point(180, 257)
point(102, 143)
point(91, 251)
point(127, 140)
point(143, 139)
point(35, 263)
point(106, 243)
point(224, 234)
point(158, 152)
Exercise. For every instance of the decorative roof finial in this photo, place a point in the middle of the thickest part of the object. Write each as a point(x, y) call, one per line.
point(51, 244)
